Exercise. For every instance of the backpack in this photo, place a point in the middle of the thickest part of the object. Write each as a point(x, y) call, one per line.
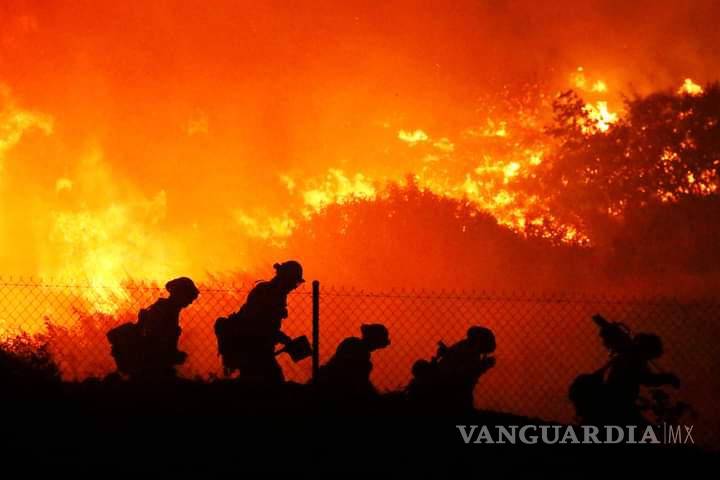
point(126, 347)
point(231, 332)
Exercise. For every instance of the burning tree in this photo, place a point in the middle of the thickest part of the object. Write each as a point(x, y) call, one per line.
point(664, 150)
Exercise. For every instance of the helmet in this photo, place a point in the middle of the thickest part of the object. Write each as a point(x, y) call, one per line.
point(616, 336)
point(421, 368)
point(482, 337)
point(291, 270)
point(182, 287)
point(375, 334)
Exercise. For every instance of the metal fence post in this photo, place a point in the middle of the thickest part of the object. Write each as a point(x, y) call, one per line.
point(315, 329)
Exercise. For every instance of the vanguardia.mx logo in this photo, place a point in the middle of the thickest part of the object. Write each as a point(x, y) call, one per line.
point(570, 434)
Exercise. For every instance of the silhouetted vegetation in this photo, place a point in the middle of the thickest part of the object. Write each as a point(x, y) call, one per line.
point(652, 175)
point(27, 368)
point(664, 148)
point(657, 166)
point(460, 247)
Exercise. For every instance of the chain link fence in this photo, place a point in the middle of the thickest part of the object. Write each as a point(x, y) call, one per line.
point(544, 341)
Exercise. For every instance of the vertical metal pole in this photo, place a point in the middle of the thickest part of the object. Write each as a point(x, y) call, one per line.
point(315, 329)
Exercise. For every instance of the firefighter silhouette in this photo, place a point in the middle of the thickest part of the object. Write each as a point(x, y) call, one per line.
point(149, 348)
point(631, 370)
point(347, 373)
point(446, 383)
point(247, 338)
point(610, 394)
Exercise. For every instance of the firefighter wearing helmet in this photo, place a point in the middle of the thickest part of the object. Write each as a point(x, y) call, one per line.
point(247, 339)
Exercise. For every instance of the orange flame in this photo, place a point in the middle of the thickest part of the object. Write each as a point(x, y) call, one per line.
point(107, 230)
point(601, 117)
point(690, 88)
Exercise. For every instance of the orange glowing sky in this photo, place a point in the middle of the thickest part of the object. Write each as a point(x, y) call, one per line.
point(152, 130)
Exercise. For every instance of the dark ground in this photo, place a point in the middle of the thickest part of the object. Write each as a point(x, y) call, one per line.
point(112, 426)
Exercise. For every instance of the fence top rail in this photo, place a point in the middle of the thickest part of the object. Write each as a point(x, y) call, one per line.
point(131, 285)
point(519, 296)
point(527, 296)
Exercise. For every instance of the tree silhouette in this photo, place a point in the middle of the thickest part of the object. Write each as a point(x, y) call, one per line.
point(413, 238)
point(665, 149)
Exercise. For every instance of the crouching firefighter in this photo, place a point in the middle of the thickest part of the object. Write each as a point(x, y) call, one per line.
point(247, 338)
point(611, 394)
point(446, 383)
point(149, 348)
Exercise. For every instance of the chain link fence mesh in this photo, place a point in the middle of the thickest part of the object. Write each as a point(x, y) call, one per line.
point(544, 341)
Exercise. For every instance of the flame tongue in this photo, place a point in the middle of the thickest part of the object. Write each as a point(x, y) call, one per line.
point(690, 88)
point(96, 224)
